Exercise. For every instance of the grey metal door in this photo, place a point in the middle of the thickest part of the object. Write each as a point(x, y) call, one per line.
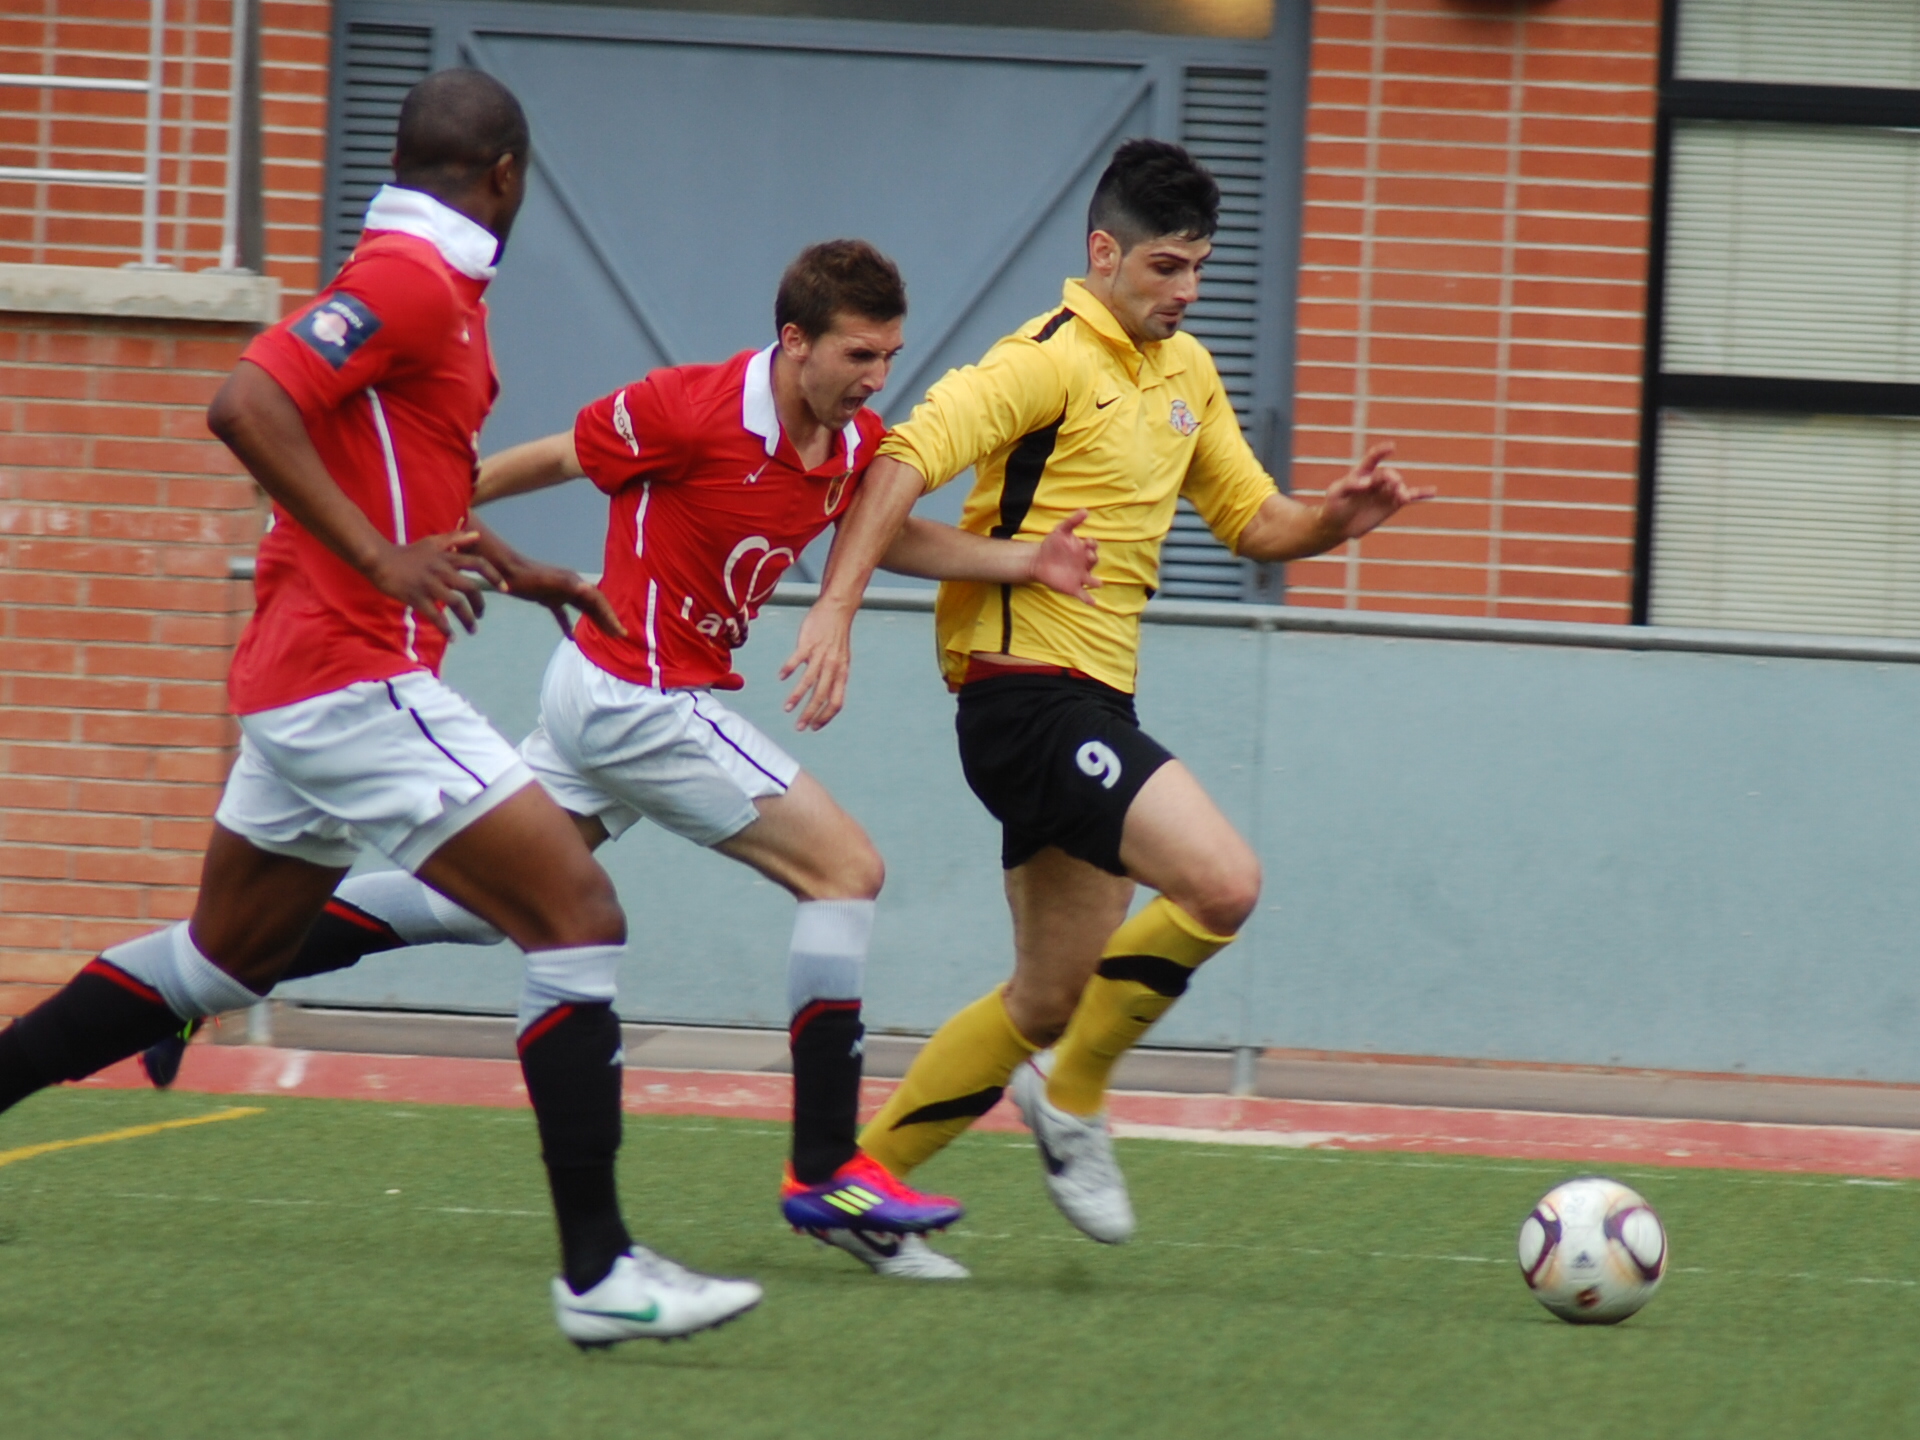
point(681, 160)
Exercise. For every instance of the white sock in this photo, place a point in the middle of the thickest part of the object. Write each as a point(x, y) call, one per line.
point(828, 956)
point(417, 913)
point(191, 984)
point(578, 975)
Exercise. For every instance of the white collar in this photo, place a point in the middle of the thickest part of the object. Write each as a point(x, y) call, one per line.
point(761, 416)
point(466, 245)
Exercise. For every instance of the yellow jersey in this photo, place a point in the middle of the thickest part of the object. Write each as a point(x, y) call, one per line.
point(1067, 414)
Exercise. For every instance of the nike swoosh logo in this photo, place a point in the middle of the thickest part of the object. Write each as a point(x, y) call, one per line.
point(638, 1317)
point(1102, 404)
point(1054, 1166)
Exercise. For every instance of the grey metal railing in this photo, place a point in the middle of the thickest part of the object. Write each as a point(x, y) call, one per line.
point(147, 177)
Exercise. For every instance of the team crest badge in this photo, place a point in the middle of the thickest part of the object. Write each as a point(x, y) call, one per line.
point(837, 487)
point(336, 327)
point(1184, 420)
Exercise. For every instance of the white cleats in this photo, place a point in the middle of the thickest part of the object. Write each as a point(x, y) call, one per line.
point(1083, 1178)
point(648, 1297)
point(900, 1257)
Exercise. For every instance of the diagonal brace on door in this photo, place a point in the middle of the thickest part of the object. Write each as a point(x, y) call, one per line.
point(1090, 146)
point(473, 50)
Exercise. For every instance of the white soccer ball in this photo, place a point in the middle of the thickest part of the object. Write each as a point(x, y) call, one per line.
point(1592, 1251)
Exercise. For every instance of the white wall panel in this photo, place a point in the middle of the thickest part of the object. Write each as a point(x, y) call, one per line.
point(1585, 856)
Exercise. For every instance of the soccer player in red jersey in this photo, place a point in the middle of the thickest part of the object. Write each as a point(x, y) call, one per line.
point(718, 476)
point(358, 417)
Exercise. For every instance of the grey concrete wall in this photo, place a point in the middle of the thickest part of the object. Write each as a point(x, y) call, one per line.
point(1525, 844)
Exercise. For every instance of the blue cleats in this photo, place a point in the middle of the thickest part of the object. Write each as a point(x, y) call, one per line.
point(862, 1195)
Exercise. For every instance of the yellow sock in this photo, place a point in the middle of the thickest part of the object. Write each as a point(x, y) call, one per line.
point(953, 1081)
point(1144, 969)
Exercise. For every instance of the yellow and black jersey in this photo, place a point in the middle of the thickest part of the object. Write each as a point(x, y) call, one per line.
point(1067, 414)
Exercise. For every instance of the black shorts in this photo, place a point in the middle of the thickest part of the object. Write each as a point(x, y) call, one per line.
point(1056, 759)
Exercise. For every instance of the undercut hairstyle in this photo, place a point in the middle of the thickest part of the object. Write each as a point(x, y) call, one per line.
point(838, 277)
point(455, 126)
point(1153, 188)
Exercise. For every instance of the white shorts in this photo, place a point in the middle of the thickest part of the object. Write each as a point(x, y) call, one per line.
point(402, 765)
point(609, 748)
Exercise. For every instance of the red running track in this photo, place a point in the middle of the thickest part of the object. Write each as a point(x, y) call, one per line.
point(1596, 1140)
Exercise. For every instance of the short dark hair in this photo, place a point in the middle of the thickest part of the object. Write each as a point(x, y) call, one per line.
point(454, 127)
point(1152, 188)
point(836, 277)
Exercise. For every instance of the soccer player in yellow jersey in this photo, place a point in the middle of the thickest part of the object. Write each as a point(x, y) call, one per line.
point(1101, 405)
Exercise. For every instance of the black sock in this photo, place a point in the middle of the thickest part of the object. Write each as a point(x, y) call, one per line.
point(571, 1059)
point(825, 1043)
point(101, 1015)
point(342, 936)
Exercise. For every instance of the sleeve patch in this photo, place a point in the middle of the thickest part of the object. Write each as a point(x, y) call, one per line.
point(336, 327)
point(623, 423)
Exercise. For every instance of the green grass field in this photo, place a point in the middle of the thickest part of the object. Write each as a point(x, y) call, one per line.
point(346, 1269)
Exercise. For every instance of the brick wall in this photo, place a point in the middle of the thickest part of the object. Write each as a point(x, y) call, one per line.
point(66, 224)
point(295, 39)
point(1477, 205)
point(118, 514)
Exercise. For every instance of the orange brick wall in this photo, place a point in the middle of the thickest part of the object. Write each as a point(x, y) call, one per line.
point(1473, 286)
point(295, 40)
point(49, 224)
point(118, 514)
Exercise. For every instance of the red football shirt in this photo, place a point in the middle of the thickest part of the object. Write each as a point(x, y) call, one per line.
point(711, 504)
point(390, 369)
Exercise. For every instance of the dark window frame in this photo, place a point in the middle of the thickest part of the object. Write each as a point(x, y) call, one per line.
point(1736, 100)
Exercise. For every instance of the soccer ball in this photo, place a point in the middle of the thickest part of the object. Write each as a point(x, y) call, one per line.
point(1592, 1251)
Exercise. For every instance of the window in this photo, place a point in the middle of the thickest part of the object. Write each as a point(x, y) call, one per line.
point(1781, 470)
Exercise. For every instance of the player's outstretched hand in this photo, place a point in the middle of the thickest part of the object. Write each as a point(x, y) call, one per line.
point(1368, 495)
point(824, 652)
point(557, 587)
point(435, 575)
point(1064, 561)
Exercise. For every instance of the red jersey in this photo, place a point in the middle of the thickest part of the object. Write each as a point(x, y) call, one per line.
point(390, 369)
point(711, 504)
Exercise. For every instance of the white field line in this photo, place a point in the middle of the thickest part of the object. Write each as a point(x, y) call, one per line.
point(1281, 1139)
point(962, 1232)
point(1585, 1117)
point(1317, 1155)
point(967, 1233)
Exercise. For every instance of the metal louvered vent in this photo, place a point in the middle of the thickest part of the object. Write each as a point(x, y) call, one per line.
point(1223, 122)
point(382, 63)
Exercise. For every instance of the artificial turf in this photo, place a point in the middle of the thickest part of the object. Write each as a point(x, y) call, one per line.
point(334, 1268)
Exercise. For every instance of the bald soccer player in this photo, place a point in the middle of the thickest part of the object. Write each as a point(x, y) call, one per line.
point(358, 416)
